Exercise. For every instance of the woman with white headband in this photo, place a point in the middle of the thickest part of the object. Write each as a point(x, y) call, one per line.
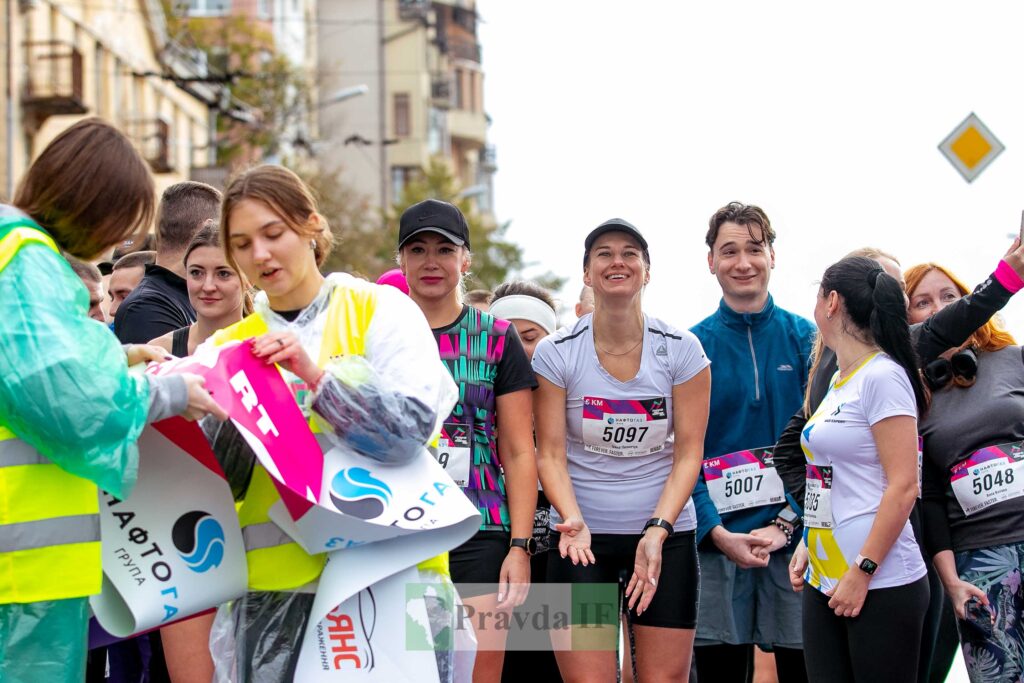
point(529, 307)
point(531, 310)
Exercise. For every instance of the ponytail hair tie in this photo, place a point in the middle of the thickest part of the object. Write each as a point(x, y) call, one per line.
point(872, 276)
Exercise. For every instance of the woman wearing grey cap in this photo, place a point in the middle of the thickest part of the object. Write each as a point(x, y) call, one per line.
point(620, 413)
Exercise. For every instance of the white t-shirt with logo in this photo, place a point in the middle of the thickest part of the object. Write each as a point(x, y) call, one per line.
point(846, 480)
point(619, 435)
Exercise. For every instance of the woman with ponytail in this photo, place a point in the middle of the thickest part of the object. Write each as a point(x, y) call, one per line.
point(864, 618)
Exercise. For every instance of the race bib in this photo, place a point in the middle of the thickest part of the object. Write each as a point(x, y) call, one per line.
point(453, 452)
point(624, 428)
point(818, 497)
point(745, 479)
point(989, 476)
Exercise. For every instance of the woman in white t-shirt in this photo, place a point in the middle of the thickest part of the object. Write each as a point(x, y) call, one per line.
point(863, 620)
point(620, 415)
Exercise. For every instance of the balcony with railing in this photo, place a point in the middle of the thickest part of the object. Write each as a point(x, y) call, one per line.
point(464, 49)
point(153, 138)
point(53, 85)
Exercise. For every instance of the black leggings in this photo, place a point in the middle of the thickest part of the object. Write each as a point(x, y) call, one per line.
point(735, 663)
point(881, 645)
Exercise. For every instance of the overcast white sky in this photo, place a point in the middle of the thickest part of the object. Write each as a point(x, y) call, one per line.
point(827, 117)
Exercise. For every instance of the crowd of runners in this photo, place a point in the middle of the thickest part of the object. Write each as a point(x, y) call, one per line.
point(846, 493)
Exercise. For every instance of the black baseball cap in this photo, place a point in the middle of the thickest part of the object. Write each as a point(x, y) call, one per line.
point(433, 215)
point(615, 225)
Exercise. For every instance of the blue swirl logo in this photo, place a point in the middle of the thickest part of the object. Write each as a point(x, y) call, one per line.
point(199, 539)
point(356, 492)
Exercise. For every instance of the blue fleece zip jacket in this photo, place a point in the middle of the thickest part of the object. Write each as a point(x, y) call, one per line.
point(759, 365)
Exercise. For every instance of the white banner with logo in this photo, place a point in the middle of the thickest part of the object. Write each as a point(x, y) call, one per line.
point(385, 633)
point(373, 520)
point(173, 548)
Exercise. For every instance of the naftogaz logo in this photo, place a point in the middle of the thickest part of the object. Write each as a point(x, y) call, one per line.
point(356, 492)
point(611, 420)
point(199, 539)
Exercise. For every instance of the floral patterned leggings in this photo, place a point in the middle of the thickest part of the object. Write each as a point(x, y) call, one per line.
point(994, 653)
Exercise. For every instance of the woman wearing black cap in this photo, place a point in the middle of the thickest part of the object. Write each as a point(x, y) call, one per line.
point(620, 413)
point(490, 367)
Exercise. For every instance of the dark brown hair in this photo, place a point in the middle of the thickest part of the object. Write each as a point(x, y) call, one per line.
point(89, 189)
point(747, 215)
point(184, 209)
point(135, 259)
point(287, 196)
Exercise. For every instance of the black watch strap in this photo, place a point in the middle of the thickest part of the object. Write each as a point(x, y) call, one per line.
point(658, 521)
point(528, 544)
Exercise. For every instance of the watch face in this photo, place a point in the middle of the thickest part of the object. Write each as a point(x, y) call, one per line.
point(868, 566)
point(787, 515)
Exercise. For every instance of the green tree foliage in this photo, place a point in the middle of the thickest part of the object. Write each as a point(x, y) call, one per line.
point(496, 259)
point(362, 246)
point(241, 52)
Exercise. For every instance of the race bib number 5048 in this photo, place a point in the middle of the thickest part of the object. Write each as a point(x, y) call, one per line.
point(989, 476)
point(624, 428)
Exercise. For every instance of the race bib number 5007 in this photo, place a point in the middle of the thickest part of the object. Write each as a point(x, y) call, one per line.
point(989, 476)
point(745, 479)
point(624, 428)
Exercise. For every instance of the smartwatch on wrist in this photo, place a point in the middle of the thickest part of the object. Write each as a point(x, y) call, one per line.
point(788, 516)
point(658, 521)
point(529, 545)
point(865, 565)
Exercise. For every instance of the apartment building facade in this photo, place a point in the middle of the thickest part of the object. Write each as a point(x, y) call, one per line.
point(421, 62)
point(69, 59)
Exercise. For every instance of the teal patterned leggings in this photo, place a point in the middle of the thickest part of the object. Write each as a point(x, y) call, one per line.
point(994, 653)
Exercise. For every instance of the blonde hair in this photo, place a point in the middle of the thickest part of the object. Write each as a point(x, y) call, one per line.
point(461, 292)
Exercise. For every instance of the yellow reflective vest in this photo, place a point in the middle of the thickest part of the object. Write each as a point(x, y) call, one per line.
point(49, 518)
point(276, 562)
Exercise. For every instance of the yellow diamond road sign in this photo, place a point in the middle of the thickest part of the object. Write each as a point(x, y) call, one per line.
point(971, 147)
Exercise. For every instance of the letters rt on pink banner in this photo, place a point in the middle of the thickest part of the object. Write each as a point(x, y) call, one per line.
point(257, 398)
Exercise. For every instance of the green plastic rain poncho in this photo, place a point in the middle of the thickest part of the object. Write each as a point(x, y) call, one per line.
point(64, 390)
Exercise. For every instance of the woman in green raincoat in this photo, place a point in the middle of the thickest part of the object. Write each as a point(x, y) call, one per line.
point(70, 413)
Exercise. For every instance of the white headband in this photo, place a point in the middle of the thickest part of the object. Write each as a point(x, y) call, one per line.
point(523, 307)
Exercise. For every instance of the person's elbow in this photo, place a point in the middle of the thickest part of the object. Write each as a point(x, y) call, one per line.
point(904, 492)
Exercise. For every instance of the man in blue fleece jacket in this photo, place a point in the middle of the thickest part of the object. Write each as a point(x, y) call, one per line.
point(745, 521)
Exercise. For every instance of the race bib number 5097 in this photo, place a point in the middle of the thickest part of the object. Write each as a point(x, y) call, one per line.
point(624, 428)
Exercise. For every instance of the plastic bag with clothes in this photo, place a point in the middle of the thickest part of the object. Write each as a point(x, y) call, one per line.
point(355, 411)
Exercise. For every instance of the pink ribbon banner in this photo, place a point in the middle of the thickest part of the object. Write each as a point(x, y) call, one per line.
point(263, 409)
